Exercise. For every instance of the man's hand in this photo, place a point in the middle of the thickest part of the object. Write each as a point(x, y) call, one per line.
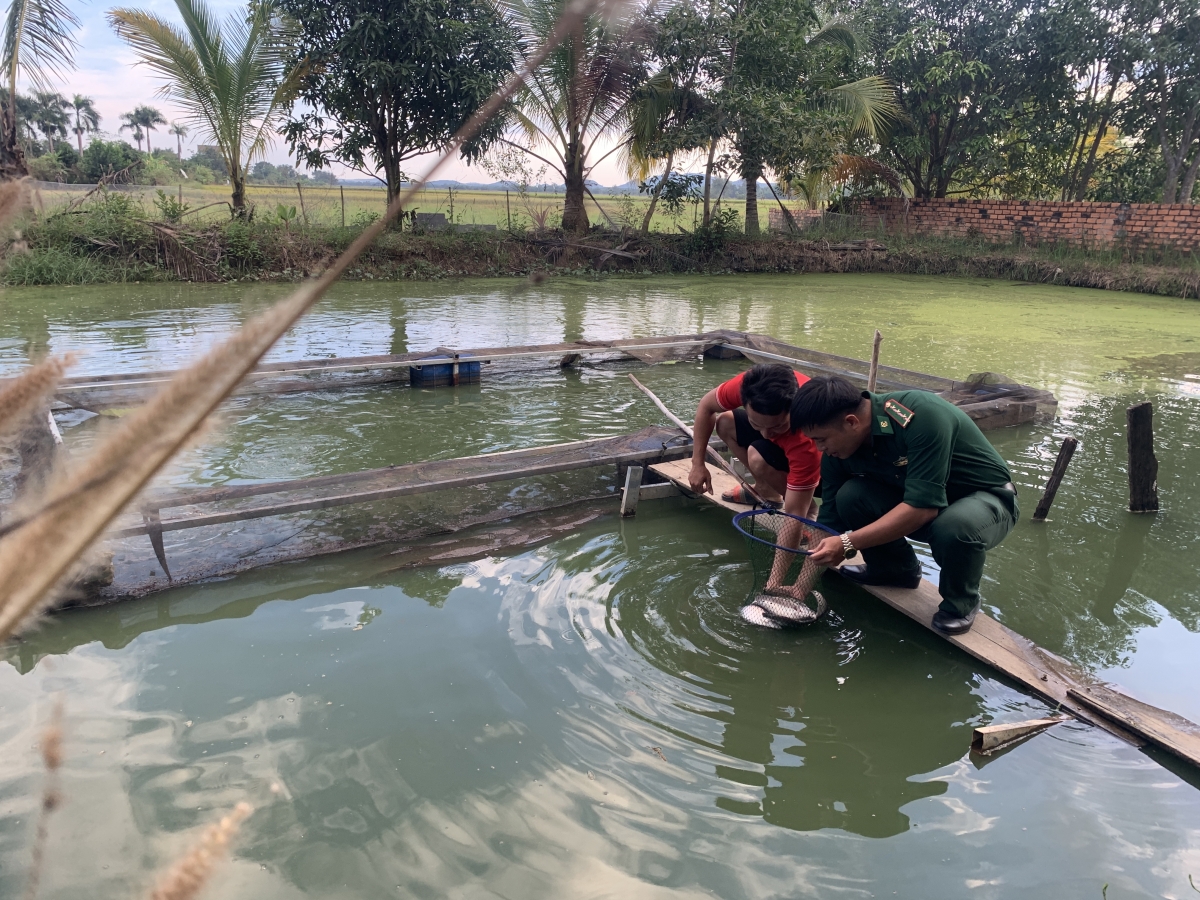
point(699, 479)
point(829, 552)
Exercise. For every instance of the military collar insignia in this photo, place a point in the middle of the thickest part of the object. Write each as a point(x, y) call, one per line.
point(898, 411)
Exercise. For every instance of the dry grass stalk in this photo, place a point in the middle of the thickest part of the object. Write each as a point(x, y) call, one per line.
point(51, 797)
point(36, 557)
point(188, 876)
point(14, 200)
point(22, 395)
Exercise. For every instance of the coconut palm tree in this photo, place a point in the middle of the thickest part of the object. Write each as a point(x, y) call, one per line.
point(133, 126)
point(579, 98)
point(39, 43)
point(87, 119)
point(231, 78)
point(180, 131)
point(148, 117)
point(50, 115)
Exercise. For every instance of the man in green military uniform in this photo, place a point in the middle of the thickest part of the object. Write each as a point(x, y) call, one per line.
point(906, 464)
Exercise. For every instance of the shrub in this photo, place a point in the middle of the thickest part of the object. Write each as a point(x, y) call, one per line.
point(101, 158)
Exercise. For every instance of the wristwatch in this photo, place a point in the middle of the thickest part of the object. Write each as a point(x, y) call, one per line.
point(848, 550)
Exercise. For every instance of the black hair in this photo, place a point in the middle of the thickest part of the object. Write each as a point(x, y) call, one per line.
point(769, 389)
point(821, 400)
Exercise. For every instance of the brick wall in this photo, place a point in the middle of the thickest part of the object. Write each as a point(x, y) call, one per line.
point(1174, 225)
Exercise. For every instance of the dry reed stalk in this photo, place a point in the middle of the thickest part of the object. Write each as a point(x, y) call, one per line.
point(51, 797)
point(14, 200)
point(188, 876)
point(36, 557)
point(22, 395)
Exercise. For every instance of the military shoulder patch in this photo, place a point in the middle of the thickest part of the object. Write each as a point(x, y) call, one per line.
point(898, 411)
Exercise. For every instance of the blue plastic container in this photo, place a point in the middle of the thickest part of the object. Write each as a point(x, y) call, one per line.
point(443, 375)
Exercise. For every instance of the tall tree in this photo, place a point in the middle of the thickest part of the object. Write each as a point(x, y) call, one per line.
point(388, 80)
point(180, 131)
point(1164, 104)
point(232, 79)
point(39, 43)
point(965, 71)
point(133, 126)
point(87, 119)
point(50, 115)
point(578, 100)
point(148, 118)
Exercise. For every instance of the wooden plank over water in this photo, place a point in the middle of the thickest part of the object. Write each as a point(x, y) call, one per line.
point(1039, 671)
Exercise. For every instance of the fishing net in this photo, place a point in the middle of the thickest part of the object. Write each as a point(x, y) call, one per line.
point(784, 575)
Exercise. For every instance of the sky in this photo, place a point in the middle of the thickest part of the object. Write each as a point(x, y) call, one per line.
point(107, 72)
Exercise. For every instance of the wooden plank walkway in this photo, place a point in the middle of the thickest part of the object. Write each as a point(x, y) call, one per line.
point(1039, 671)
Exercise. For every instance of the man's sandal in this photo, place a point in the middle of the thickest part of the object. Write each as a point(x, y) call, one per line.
point(738, 494)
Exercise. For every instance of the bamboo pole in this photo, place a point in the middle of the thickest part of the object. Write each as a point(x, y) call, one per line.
point(873, 375)
point(1065, 452)
point(711, 453)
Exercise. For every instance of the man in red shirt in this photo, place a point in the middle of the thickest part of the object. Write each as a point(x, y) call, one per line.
point(752, 415)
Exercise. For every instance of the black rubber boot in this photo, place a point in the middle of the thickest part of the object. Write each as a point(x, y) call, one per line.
point(952, 622)
point(864, 575)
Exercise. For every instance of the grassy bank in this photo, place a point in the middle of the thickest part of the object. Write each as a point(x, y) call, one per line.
point(113, 239)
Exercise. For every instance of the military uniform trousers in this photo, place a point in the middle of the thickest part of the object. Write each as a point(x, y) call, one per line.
point(959, 537)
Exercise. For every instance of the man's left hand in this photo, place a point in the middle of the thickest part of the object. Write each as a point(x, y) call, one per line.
point(829, 552)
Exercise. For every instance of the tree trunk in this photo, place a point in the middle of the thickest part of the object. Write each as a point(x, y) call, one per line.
point(1189, 180)
point(12, 157)
point(575, 217)
point(750, 172)
point(79, 138)
point(238, 183)
point(658, 189)
point(148, 150)
point(178, 146)
point(708, 169)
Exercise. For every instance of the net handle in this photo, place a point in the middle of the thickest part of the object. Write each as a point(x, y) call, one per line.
point(750, 513)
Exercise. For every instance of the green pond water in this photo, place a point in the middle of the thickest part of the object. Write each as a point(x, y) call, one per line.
point(591, 718)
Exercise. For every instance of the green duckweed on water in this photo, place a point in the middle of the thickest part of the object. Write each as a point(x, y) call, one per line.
point(591, 717)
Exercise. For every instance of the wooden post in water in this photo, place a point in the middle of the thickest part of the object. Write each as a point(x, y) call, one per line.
point(1065, 452)
point(303, 211)
point(1143, 464)
point(342, 190)
point(873, 375)
point(633, 486)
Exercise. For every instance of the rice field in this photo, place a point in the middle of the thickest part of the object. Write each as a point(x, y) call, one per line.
point(350, 205)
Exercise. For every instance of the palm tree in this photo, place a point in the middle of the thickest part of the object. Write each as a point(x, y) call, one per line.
point(87, 119)
point(38, 43)
point(180, 131)
point(148, 117)
point(133, 126)
point(50, 115)
point(578, 98)
point(232, 78)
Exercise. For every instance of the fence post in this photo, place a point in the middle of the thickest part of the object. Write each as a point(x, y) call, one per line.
point(873, 374)
point(342, 191)
point(508, 210)
point(1143, 464)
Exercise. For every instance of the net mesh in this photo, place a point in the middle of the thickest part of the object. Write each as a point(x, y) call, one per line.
point(785, 577)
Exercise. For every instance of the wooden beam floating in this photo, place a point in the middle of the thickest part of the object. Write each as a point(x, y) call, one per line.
point(990, 738)
point(1065, 452)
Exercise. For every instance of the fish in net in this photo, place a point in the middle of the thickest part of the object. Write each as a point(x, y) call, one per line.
point(779, 543)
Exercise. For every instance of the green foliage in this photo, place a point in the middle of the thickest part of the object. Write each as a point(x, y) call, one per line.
point(101, 158)
point(387, 80)
point(677, 189)
point(47, 168)
point(243, 246)
point(708, 240)
point(170, 208)
point(364, 218)
point(285, 214)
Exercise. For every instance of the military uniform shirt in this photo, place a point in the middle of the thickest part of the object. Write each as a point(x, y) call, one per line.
point(923, 445)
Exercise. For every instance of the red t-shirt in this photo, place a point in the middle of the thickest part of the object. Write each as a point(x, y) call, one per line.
point(804, 459)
